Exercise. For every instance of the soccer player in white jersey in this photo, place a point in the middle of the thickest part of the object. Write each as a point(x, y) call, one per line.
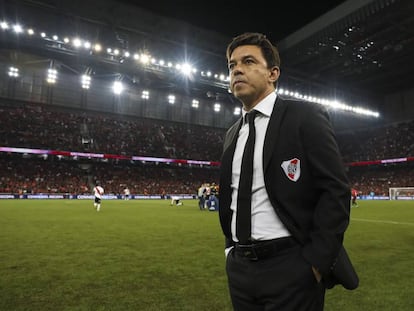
point(127, 193)
point(176, 200)
point(98, 192)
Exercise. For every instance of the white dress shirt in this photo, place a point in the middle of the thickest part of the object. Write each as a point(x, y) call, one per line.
point(266, 225)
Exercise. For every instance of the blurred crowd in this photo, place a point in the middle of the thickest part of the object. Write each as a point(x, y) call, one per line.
point(22, 175)
point(377, 180)
point(43, 127)
point(388, 142)
point(36, 127)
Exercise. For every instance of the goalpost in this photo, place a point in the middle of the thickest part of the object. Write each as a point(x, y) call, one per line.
point(401, 193)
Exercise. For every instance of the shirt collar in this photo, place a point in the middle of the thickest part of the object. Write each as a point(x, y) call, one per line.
point(265, 106)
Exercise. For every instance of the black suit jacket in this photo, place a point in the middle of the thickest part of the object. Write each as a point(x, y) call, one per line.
point(315, 208)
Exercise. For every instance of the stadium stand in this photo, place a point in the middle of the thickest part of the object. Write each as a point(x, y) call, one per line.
point(35, 126)
point(23, 175)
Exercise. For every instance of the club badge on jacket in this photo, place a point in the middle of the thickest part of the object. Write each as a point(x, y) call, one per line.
point(291, 168)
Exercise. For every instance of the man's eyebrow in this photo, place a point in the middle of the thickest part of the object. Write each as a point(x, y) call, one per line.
point(243, 58)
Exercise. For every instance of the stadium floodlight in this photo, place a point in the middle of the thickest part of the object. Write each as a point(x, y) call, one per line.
point(30, 32)
point(4, 25)
point(118, 87)
point(76, 42)
point(217, 107)
point(206, 74)
point(51, 76)
point(145, 94)
point(185, 69)
point(13, 72)
point(145, 58)
point(18, 28)
point(97, 47)
point(223, 77)
point(171, 99)
point(195, 103)
point(86, 81)
point(237, 111)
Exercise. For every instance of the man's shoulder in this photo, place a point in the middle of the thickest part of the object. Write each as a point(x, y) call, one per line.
point(292, 101)
point(299, 105)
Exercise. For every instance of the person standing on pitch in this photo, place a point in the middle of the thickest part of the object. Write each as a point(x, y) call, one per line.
point(98, 192)
point(284, 194)
point(127, 194)
point(354, 196)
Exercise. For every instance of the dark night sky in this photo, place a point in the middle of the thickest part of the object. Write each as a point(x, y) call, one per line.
point(277, 19)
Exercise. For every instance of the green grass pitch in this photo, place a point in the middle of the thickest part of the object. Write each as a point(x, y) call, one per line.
point(148, 255)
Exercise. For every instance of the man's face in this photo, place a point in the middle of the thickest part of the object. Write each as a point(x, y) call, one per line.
point(250, 79)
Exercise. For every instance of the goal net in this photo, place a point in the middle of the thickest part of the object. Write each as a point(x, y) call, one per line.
point(401, 193)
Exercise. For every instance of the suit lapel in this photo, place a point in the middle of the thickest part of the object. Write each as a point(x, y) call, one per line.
point(225, 178)
point(230, 146)
point(272, 133)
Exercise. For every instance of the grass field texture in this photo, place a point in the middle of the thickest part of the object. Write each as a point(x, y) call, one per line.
point(147, 255)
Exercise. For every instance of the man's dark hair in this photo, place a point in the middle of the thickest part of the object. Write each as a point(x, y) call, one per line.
point(269, 51)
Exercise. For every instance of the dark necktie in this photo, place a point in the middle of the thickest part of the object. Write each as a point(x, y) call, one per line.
point(244, 197)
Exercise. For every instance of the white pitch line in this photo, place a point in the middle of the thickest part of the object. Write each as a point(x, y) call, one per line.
point(384, 221)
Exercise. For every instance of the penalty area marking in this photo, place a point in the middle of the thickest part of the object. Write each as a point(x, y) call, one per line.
point(384, 221)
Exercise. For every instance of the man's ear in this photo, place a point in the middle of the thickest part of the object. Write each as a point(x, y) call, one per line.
point(274, 73)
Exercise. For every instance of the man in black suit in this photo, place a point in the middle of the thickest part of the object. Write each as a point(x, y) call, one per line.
point(298, 207)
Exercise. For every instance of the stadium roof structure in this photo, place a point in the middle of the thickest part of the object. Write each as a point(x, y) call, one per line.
point(359, 46)
point(359, 49)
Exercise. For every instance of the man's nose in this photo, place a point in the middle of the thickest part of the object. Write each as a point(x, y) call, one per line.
point(237, 69)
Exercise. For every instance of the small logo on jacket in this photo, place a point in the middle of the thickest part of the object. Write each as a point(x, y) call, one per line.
point(292, 168)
